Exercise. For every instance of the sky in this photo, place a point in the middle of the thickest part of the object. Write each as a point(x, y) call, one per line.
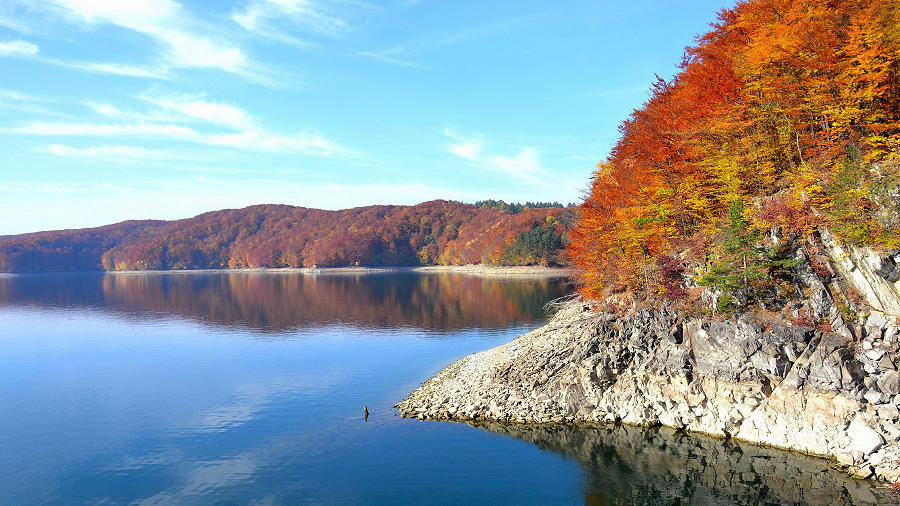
point(157, 109)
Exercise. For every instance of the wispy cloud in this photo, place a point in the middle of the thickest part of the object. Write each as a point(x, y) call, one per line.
point(117, 153)
point(160, 72)
point(525, 166)
point(163, 20)
point(276, 18)
point(13, 100)
point(18, 48)
point(182, 40)
point(24, 49)
point(391, 56)
point(102, 130)
point(193, 107)
point(301, 143)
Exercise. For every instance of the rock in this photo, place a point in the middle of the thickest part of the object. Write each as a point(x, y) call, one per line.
point(874, 396)
point(863, 438)
point(891, 431)
point(863, 472)
point(849, 457)
point(875, 355)
point(888, 412)
point(889, 382)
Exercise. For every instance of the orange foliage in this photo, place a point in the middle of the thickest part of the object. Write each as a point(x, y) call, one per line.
point(765, 103)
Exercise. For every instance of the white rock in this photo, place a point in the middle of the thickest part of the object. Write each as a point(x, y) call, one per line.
point(874, 396)
point(863, 438)
point(875, 355)
point(888, 412)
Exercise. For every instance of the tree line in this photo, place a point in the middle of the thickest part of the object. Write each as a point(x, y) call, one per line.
point(432, 233)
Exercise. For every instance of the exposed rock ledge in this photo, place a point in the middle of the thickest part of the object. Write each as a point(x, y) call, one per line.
point(761, 381)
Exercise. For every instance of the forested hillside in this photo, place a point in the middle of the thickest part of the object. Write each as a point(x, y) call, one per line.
point(437, 232)
point(783, 120)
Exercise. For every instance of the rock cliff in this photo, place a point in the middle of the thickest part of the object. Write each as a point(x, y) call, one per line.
point(832, 391)
point(752, 379)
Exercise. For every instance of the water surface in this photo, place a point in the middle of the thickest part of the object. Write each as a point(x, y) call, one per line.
point(248, 388)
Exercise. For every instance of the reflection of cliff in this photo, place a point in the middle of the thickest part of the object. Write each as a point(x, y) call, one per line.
point(282, 301)
point(631, 465)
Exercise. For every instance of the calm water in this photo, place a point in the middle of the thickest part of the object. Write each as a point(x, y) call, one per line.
point(249, 389)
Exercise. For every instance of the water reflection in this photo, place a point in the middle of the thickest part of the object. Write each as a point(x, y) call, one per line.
point(278, 302)
point(635, 466)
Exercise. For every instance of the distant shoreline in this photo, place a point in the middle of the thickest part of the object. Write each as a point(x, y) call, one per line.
point(472, 269)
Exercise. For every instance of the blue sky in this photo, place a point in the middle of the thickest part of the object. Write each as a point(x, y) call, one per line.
point(113, 110)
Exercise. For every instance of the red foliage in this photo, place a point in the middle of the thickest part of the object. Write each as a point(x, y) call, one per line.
point(437, 232)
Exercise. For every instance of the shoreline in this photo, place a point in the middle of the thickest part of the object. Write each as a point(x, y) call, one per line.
point(757, 380)
point(517, 271)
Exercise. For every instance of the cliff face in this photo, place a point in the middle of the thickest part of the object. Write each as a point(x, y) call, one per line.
point(755, 377)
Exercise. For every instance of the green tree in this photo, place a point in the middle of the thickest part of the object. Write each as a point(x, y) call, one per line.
point(744, 265)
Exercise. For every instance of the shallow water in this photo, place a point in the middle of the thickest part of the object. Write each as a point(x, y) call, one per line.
point(248, 388)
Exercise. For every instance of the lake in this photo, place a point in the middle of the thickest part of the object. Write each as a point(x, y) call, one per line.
point(248, 388)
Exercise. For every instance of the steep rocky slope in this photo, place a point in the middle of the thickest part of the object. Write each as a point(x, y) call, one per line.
point(754, 377)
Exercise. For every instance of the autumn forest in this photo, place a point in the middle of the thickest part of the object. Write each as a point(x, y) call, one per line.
point(431, 233)
point(783, 121)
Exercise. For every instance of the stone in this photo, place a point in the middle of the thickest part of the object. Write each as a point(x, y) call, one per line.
point(848, 457)
point(888, 412)
point(875, 320)
point(875, 355)
point(891, 431)
point(863, 438)
point(863, 472)
point(889, 382)
point(874, 396)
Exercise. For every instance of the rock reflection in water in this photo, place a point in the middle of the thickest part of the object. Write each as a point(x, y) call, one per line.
point(626, 465)
point(278, 302)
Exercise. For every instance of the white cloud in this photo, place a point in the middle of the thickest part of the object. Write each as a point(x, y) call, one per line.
point(469, 149)
point(303, 143)
point(18, 48)
point(300, 143)
point(117, 152)
point(102, 130)
point(117, 69)
point(266, 17)
point(169, 24)
point(211, 112)
point(525, 166)
point(26, 49)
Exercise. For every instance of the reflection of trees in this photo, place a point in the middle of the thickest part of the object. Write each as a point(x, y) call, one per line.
point(281, 301)
point(630, 465)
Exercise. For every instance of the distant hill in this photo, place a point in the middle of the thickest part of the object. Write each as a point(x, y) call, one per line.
point(432, 233)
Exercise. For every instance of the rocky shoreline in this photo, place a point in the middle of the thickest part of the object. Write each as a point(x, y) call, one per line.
point(763, 377)
point(760, 381)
